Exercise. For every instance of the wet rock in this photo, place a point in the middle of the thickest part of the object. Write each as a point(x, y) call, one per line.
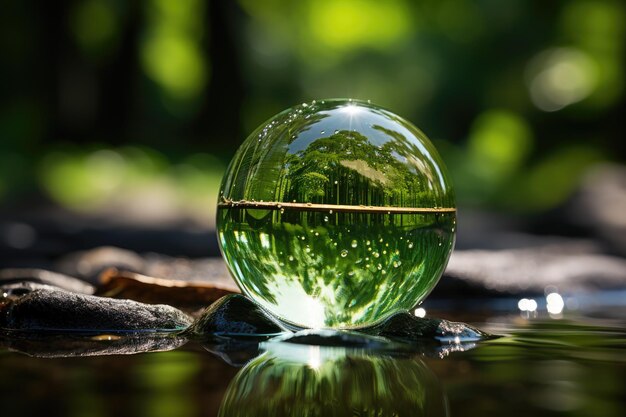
point(63, 346)
point(408, 328)
point(573, 266)
point(189, 296)
point(234, 316)
point(13, 291)
point(208, 270)
point(88, 265)
point(335, 338)
point(41, 276)
point(598, 205)
point(54, 310)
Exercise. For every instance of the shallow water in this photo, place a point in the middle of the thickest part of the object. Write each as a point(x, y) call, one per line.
point(541, 366)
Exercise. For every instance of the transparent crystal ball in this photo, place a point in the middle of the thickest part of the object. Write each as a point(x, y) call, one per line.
point(336, 214)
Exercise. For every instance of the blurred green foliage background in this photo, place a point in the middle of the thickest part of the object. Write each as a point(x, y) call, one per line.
point(136, 107)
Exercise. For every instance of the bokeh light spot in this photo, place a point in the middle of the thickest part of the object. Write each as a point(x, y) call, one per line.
point(171, 52)
point(554, 303)
point(94, 24)
point(560, 77)
point(498, 145)
point(345, 24)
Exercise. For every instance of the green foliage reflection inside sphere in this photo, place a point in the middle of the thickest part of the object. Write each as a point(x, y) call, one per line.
point(332, 382)
point(336, 213)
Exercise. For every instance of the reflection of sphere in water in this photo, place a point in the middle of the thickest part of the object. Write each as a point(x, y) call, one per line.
point(336, 213)
point(326, 382)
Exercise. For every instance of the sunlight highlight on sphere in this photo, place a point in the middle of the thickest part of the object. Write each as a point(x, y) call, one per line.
point(336, 214)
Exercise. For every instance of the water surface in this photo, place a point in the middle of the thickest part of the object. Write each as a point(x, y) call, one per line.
point(565, 366)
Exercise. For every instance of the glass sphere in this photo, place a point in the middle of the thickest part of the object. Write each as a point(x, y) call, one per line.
point(336, 214)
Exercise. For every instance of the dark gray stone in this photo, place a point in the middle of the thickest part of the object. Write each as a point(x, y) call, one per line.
point(402, 337)
point(89, 264)
point(408, 328)
point(232, 316)
point(599, 205)
point(41, 276)
point(13, 291)
point(209, 270)
point(569, 266)
point(53, 310)
point(335, 338)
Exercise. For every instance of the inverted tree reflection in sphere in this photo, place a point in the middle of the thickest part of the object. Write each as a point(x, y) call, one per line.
point(336, 213)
